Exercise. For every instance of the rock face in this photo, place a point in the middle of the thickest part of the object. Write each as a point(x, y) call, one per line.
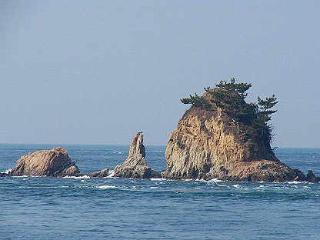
point(209, 145)
point(136, 165)
point(55, 162)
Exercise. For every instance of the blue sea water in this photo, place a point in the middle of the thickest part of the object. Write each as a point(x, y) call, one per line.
point(108, 208)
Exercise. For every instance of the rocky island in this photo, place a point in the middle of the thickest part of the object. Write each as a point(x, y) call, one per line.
point(222, 136)
point(55, 162)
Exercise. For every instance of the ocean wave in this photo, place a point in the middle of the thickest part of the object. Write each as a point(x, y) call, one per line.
point(295, 182)
point(77, 177)
point(104, 187)
point(214, 180)
point(158, 179)
point(28, 176)
point(188, 180)
point(117, 152)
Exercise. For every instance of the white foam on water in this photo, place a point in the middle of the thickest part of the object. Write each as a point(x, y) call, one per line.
point(22, 176)
point(295, 182)
point(117, 152)
point(7, 171)
point(154, 187)
point(188, 180)
point(111, 174)
point(79, 177)
point(236, 186)
point(214, 180)
point(104, 187)
point(158, 179)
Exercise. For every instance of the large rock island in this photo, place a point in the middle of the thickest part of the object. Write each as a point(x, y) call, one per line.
point(55, 162)
point(222, 136)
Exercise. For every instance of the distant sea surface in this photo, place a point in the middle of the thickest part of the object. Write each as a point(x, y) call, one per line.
point(82, 208)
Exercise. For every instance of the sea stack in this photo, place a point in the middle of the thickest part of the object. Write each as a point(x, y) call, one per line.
point(221, 136)
point(55, 162)
point(135, 166)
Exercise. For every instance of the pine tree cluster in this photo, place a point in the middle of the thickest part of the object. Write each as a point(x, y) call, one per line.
point(230, 98)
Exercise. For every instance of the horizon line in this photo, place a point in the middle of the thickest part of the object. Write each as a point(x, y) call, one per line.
point(128, 144)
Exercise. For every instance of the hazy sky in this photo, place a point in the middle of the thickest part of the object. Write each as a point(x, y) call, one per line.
point(96, 72)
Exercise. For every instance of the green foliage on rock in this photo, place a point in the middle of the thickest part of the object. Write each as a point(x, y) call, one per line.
point(230, 97)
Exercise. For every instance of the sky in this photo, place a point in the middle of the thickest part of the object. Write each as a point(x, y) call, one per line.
point(96, 72)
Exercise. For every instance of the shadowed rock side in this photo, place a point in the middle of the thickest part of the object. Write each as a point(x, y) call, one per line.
point(136, 165)
point(209, 145)
point(55, 162)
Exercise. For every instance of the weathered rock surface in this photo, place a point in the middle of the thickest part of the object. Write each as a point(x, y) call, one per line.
point(136, 165)
point(209, 145)
point(55, 162)
point(100, 174)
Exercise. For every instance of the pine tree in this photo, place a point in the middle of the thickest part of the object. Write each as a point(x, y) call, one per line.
point(265, 107)
point(230, 97)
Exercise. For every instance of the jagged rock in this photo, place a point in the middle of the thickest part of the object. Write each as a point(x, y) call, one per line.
point(100, 174)
point(2, 174)
point(209, 144)
point(54, 162)
point(136, 165)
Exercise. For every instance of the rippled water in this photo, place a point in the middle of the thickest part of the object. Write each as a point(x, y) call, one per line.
point(83, 208)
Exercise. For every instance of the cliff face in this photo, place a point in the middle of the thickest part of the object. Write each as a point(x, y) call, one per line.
point(135, 165)
point(209, 144)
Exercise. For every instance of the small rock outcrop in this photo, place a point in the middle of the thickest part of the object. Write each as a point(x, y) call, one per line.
point(55, 162)
point(136, 165)
point(100, 174)
point(2, 174)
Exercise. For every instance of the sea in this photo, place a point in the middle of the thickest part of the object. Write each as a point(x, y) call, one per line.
point(113, 208)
